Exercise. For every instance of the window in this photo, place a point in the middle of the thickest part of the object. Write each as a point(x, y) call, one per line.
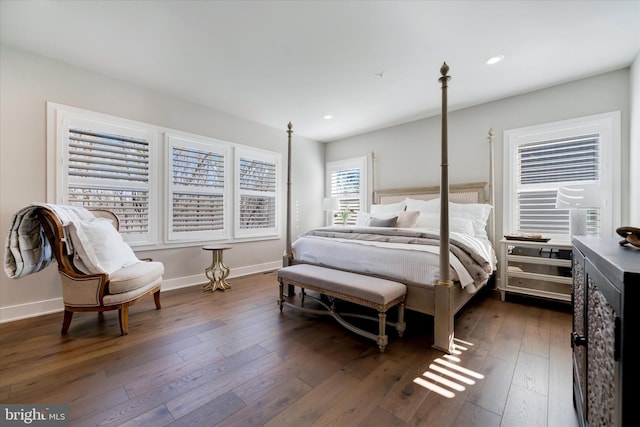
point(541, 159)
point(346, 180)
point(107, 165)
point(197, 188)
point(257, 204)
point(167, 187)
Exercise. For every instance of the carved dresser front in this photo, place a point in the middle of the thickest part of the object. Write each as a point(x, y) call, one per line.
point(606, 287)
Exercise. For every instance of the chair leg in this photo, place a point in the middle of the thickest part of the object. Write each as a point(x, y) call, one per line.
point(156, 298)
point(124, 319)
point(66, 321)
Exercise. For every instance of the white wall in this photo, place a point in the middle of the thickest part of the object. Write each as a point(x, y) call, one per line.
point(27, 81)
point(409, 155)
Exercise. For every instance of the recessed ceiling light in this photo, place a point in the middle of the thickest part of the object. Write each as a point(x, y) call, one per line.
point(495, 59)
point(327, 117)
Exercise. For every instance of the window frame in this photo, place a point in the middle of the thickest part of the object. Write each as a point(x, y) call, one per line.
point(607, 126)
point(59, 119)
point(263, 156)
point(159, 235)
point(199, 143)
point(347, 164)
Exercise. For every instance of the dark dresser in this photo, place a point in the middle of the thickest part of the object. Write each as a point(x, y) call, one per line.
point(605, 299)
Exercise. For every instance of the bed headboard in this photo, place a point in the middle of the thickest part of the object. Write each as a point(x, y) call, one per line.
point(475, 192)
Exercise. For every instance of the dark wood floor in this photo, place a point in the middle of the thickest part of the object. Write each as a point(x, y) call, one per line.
point(232, 359)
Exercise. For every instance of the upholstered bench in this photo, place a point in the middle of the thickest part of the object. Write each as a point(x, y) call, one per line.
point(367, 291)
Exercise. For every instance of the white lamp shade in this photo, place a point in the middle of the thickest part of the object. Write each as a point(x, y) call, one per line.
point(331, 204)
point(579, 197)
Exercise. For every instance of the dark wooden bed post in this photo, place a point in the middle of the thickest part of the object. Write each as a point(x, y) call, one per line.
point(443, 318)
point(287, 259)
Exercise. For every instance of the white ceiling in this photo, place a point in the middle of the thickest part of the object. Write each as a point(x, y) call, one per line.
point(278, 61)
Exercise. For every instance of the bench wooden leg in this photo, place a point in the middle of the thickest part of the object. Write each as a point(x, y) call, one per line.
point(281, 292)
point(401, 326)
point(383, 340)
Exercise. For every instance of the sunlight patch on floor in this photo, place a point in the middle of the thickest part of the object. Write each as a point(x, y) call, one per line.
point(445, 375)
point(434, 387)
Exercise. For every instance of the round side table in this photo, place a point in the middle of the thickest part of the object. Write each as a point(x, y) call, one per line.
point(217, 272)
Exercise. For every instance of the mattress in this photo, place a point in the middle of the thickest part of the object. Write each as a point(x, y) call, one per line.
point(407, 255)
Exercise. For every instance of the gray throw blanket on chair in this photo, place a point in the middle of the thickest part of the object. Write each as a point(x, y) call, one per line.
point(27, 249)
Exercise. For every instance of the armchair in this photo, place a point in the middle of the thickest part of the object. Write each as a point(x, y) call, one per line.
point(100, 273)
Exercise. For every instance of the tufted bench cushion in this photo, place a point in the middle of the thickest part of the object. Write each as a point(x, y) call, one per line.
point(368, 291)
point(372, 289)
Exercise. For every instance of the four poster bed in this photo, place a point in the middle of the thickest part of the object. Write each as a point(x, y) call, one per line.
point(399, 240)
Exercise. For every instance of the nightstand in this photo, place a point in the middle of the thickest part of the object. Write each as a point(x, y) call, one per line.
point(539, 269)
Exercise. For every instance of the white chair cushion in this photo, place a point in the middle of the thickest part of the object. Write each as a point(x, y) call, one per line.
point(135, 276)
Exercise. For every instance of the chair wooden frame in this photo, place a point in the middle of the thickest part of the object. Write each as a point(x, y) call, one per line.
point(92, 286)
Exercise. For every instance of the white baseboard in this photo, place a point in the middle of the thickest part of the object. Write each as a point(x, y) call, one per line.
point(55, 305)
point(201, 279)
point(31, 309)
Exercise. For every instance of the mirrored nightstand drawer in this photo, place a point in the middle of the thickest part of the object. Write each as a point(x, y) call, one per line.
point(553, 267)
point(541, 269)
point(541, 252)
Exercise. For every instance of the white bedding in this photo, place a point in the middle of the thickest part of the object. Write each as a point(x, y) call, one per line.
point(409, 263)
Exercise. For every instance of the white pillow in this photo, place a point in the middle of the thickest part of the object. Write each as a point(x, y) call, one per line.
point(432, 205)
point(456, 224)
point(428, 220)
point(99, 247)
point(388, 208)
point(362, 219)
point(405, 219)
point(478, 213)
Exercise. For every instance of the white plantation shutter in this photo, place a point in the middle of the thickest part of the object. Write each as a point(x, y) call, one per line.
point(346, 182)
point(563, 160)
point(257, 193)
point(540, 159)
point(109, 166)
point(197, 189)
point(169, 188)
point(543, 167)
